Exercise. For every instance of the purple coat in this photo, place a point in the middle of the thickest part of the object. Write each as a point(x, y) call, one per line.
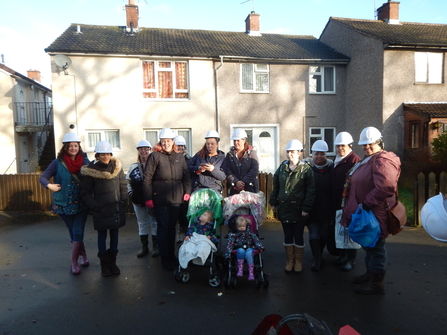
point(374, 188)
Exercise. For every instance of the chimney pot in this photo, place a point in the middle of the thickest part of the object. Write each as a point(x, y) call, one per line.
point(389, 12)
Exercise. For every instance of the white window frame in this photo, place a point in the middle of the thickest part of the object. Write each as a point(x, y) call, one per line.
point(319, 71)
point(185, 132)
point(257, 71)
point(428, 67)
point(102, 133)
point(322, 136)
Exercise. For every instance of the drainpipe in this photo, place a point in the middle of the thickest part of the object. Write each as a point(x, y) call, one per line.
point(216, 89)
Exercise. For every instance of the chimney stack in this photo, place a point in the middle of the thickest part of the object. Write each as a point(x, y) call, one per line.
point(252, 26)
point(34, 75)
point(389, 12)
point(132, 15)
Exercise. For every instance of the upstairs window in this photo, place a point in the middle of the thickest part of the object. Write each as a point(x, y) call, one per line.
point(165, 80)
point(428, 67)
point(255, 78)
point(109, 135)
point(326, 134)
point(322, 79)
point(152, 136)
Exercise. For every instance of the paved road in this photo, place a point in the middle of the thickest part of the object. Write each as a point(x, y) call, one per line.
point(39, 295)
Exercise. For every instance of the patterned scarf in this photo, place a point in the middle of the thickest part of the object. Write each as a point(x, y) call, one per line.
point(346, 186)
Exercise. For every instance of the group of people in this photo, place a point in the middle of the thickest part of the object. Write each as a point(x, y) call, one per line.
point(308, 192)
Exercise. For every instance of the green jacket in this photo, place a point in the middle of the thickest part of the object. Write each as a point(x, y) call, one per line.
point(293, 191)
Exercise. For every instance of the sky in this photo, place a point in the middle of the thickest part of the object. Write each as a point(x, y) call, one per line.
point(27, 27)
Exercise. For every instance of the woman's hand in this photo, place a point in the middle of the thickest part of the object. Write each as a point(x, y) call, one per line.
point(186, 238)
point(240, 185)
point(54, 187)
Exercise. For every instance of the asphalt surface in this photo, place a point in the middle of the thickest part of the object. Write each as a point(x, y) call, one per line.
point(39, 295)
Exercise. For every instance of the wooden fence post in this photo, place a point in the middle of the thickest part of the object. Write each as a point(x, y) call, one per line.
point(421, 197)
point(431, 185)
point(443, 183)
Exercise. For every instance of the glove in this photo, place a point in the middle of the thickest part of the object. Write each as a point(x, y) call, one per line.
point(150, 203)
point(186, 197)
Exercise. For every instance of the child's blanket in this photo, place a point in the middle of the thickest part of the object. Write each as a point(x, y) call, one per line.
point(197, 248)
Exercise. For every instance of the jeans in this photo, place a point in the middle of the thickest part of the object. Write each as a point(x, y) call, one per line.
point(319, 230)
point(293, 232)
point(376, 257)
point(75, 225)
point(246, 254)
point(102, 237)
point(167, 216)
point(145, 220)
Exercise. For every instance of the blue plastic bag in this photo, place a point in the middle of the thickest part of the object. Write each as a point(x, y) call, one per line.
point(364, 228)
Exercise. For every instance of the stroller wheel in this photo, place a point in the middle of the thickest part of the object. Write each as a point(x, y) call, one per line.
point(214, 280)
point(258, 281)
point(233, 281)
point(185, 276)
point(265, 281)
point(226, 280)
point(178, 274)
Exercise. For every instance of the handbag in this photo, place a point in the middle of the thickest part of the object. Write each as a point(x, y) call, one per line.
point(364, 228)
point(397, 217)
point(342, 239)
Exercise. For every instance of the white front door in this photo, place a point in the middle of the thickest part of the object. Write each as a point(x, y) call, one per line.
point(24, 156)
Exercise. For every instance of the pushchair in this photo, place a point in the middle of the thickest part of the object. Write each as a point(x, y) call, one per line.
point(252, 206)
point(201, 201)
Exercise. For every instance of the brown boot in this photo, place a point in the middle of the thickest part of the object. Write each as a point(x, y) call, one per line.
point(362, 278)
point(290, 257)
point(373, 286)
point(298, 253)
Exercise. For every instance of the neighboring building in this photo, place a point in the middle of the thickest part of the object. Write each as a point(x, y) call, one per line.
point(27, 121)
point(396, 79)
point(124, 84)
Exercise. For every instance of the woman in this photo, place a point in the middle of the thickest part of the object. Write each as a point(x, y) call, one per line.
point(373, 183)
point(166, 185)
point(242, 165)
point(292, 198)
point(207, 168)
point(344, 161)
point(321, 215)
point(145, 220)
point(67, 200)
point(105, 193)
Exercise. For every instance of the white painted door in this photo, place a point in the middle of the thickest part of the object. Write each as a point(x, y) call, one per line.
point(24, 157)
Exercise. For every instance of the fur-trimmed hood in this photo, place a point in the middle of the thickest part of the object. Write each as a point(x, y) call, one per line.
point(101, 171)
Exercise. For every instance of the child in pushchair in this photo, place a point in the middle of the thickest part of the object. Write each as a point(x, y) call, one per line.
point(200, 244)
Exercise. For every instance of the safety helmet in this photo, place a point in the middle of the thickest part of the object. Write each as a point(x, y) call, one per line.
point(434, 217)
point(144, 143)
point(343, 138)
point(180, 140)
point(320, 145)
point(212, 134)
point(369, 135)
point(103, 147)
point(70, 137)
point(294, 145)
point(166, 133)
point(238, 134)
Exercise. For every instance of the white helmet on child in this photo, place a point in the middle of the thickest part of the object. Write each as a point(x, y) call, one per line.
point(343, 138)
point(143, 144)
point(369, 135)
point(294, 145)
point(238, 134)
point(180, 140)
point(320, 145)
point(71, 137)
point(103, 147)
point(434, 217)
point(166, 133)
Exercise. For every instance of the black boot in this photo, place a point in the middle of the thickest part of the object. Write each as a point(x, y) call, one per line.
point(112, 262)
point(155, 251)
point(144, 246)
point(105, 268)
point(316, 252)
point(343, 258)
point(350, 264)
point(373, 286)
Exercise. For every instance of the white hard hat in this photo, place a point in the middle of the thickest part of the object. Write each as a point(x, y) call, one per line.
point(103, 147)
point(320, 145)
point(144, 143)
point(71, 137)
point(212, 134)
point(238, 134)
point(434, 217)
point(166, 133)
point(343, 138)
point(179, 140)
point(294, 145)
point(369, 135)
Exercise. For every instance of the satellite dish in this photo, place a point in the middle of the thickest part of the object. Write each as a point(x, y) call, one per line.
point(62, 61)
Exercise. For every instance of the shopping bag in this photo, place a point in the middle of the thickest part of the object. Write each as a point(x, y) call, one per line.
point(342, 239)
point(364, 228)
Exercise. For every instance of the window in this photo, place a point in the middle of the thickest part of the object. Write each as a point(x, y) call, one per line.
point(152, 136)
point(111, 136)
point(255, 78)
point(322, 79)
point(414, 135)
point(165, 80)
point(325, 134)
point(428, 67)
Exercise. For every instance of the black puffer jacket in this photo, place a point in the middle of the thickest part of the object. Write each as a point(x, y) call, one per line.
point(245, 170)
point(104, 190)
point(322, 209)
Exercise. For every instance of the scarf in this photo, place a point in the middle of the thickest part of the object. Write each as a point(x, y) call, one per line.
point(74, 166)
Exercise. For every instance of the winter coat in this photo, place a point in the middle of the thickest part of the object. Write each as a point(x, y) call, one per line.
point(322, 209)
point(373, 183)
point(166, 178)
point(245, 170)
point(206, 229)
point(103, 189)
point(134, 178)
point(339, 174)
point(207, 179)
point(293, 191)
point(242, 239)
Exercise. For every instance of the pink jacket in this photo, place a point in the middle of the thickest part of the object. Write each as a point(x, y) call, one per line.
point(374, 186)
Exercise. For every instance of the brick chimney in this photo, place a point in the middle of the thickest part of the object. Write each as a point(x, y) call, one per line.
point(132, 14)
point(252, 26)
point(34, 75)
point(389, 12)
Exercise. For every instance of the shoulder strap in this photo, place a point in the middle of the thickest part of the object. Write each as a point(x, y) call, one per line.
point(74, 176)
